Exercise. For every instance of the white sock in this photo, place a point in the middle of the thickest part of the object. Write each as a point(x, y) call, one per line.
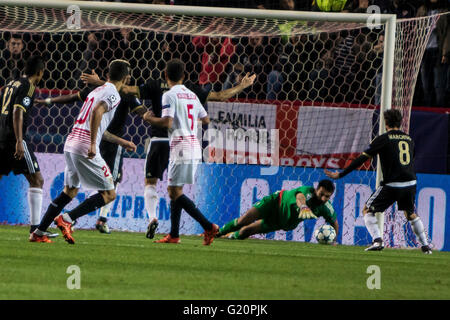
point(35, 204)
point(380, 221)
point(151, 200)
point(419, 230)
point(67, 218)
point(372, 226)
point(107, 207)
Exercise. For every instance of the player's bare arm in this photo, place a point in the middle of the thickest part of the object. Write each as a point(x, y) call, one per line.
point(61, 99)
point(205, 120)
point(352, 166)
point(128, 145)
point(246, 82)
point(18, 123)
point(165, 122)
point(94, 80)
point(97, 114)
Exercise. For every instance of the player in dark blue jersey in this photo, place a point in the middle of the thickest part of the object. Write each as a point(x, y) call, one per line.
point(158, 150)
point(16, 154)
point(396, 151)
point(112, 153)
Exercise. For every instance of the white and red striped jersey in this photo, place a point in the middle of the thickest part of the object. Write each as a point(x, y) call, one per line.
point(185, 108)
point(79, 139)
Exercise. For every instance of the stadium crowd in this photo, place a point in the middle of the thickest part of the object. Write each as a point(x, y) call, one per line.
point(287, 68)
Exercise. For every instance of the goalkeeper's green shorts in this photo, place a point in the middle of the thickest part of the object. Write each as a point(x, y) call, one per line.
point(268, 207)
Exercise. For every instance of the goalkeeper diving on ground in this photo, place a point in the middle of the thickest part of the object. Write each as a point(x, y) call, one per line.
point(284, 210)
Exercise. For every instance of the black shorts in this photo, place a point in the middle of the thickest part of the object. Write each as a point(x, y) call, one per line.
point(27, 165)
point(385, 196)
point(113, 155)
point(157, 158)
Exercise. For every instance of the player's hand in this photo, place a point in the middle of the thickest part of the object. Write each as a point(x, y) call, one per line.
point(149, 114)
point(90, 78)
point(92, 151)
point(129, 146)
point(332, 175)
point(18, 155)
point(306, 213)
point(248, 80)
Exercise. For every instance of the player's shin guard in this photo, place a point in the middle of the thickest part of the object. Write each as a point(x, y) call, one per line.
point(104, 211)
point(151, 200)
point(229, 227)
point(372, 226)
point(53, 210)
point(419, 231)
point(88, 205)
point(187, 204)
point(380, 221)
point(175, 215)
point(35, 205)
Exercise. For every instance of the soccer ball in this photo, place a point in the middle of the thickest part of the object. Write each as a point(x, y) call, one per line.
point(325, 234)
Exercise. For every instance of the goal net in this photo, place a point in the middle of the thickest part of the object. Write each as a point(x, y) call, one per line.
point(315, 102)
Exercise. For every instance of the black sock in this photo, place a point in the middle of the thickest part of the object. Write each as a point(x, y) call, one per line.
point(53, 210)
point(88, 205)
point(175, 215)
point(33, 227)
point(187, 204)
point(102, 219)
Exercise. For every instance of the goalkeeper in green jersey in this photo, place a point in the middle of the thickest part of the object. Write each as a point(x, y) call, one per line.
point(284, 210)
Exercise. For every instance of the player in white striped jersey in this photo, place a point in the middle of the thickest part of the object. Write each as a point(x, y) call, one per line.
point(180, 110)
point(84, 164)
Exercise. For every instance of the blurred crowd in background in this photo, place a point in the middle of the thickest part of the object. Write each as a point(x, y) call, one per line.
point(301, 67)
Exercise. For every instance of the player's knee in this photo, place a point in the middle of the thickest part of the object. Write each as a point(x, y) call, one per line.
point(151, 181)
point(110, 196)
point(410, 215)
point(366, 210)
point(71, 192)
point(174, 192)
point(37, 181)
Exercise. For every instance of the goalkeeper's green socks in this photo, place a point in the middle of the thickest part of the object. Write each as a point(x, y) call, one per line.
point(229, 227)
point(237, 236)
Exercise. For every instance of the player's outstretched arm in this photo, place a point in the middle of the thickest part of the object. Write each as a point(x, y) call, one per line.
point(205, 120)
point(128, 145)
point(336, 228)
point(68, 98)
point(354, 165)
point(246, 82)
point(164, 122)
point(92, 79)
point(305, 211)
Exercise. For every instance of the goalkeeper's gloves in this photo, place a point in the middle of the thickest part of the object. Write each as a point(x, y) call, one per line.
point(306, 213)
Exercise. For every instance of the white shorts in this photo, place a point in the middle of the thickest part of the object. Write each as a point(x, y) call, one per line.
point(92, 174)
point(180, 173)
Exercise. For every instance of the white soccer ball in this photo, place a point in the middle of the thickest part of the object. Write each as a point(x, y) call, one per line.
point(325, 234)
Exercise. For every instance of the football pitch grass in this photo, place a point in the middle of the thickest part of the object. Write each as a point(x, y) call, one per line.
point(126, 265)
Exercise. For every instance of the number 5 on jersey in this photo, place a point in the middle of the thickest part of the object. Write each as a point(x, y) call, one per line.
point(190, 107)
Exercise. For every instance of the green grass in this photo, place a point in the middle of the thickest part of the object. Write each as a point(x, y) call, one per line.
point(128, 266)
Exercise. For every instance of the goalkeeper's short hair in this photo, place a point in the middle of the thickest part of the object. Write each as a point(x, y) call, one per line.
point(327, 185)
